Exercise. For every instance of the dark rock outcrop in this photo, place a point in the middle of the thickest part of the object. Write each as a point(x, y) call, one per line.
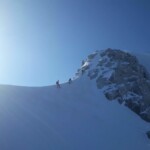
point(148, 134)
point(121, 77)
point(128, 81)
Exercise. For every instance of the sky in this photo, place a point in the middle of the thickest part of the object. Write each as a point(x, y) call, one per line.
point(42, 41)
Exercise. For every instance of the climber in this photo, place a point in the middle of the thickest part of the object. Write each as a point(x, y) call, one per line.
point(70, 81)
point(83, 62)
point(82, 71)
point(57, 83)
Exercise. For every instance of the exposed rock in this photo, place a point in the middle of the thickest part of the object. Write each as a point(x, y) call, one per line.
point(131, 79)
point(148, 134)
point(145, 114)
point(92, 56)
point(93, 73)
point(113, 94)
point(121, 78)
point(101, 82)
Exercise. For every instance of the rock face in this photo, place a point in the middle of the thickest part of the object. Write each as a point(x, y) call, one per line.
point(121, 78)
point(148, 134)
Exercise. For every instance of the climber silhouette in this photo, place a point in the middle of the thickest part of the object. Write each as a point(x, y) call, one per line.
point(70, 81)
point(57, 83)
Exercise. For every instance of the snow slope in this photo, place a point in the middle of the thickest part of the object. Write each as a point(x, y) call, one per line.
point(75, 117)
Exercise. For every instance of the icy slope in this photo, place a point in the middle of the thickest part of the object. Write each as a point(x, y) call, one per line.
point(75, 117)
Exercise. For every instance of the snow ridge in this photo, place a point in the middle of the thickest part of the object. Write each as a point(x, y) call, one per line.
point(76, 116)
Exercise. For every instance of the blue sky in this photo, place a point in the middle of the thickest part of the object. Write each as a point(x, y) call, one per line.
point(45, 40)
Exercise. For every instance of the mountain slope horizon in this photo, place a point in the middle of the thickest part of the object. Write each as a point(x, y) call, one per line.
point(75, 116)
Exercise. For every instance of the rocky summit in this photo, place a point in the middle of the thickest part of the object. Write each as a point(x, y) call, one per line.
point(121, 77)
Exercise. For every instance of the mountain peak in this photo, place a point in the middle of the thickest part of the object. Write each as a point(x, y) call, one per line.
point(121, 77)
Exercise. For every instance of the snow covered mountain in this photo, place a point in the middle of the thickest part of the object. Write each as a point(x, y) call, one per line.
point(78, 116)
point(121, 77)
